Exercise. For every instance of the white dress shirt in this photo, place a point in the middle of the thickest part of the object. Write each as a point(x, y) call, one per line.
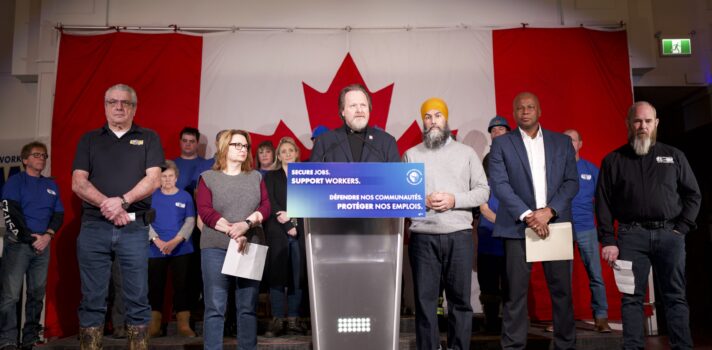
point(537, 166)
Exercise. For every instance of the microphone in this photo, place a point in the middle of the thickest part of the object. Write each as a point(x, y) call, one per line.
point(329, 150)
point(369, 144)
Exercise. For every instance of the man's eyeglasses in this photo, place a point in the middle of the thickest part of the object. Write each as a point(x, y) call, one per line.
point(39, 155)
point(123, 103)
point(239, 146)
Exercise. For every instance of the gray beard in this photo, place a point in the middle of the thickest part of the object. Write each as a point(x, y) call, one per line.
point(641, 145)
point(435, 138)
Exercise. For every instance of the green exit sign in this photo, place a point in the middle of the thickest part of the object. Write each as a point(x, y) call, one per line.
point(676, 47)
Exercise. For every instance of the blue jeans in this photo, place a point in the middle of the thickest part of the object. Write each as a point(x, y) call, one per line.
point(20, 260)
point(665, 251)
point(97, 243)
point(443, 258)
point(590, 255)
point(294, 294)
point(215, 289)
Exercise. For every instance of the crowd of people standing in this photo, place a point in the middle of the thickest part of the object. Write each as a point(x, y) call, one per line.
point(145, 216)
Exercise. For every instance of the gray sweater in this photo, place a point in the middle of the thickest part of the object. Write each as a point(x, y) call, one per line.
point(453, 168)
point(235, 197)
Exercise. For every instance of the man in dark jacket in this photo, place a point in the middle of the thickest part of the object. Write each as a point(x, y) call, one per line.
point(649, 188)
point(355, 141)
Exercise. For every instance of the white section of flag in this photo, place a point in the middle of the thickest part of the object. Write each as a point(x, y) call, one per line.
point(245, 85)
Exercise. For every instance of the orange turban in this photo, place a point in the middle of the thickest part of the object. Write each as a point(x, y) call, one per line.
point(434, 103)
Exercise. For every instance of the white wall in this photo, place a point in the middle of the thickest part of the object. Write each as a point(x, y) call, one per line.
point(17, 100)
point(27, 107)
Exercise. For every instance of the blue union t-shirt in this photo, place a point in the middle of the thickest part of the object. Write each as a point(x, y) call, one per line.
point(171, 212)
point(186, 172)
point(203, 166)
point(38, 196)
point(582, 204)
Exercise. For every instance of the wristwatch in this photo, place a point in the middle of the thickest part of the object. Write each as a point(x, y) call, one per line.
point(124, 203)
point(249, 223)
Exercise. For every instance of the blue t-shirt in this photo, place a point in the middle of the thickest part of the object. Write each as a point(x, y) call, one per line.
point(205, 165)
point(486, 244)
point(582, 204)
point(171, 212)
point(38, 196)
point(186, 172)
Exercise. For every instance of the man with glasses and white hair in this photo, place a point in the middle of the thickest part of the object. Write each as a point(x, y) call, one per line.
point(33, 213)
point(649, 188)
point(116, 169)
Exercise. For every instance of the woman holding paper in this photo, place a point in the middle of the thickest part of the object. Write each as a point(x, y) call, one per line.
point(286, 258)
point(231, 200)
point(170, 247)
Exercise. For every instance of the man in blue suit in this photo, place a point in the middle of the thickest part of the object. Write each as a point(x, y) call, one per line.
point(355, 141)
point(533, 174)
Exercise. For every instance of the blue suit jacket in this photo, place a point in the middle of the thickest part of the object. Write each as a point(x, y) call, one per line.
point(333, 146)
point(511, 179)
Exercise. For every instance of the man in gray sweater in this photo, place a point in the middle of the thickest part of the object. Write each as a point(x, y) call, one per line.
point(441, 246)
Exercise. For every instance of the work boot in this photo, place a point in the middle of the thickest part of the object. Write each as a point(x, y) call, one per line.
point(154, 328)
point(275, 328)
point(119, 332)
point(183, 320)
point(602, 325)
point(306, 325)
point(137, 337)
point(90, 338)
point(293, 326)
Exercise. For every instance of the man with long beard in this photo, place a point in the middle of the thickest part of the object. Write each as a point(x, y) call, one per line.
point(649, 188)
point(355, 141)
point(441, 246)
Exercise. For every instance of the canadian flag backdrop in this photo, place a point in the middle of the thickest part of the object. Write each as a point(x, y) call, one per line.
point(277, 84)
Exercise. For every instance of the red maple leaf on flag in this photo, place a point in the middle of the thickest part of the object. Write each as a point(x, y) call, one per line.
point(323, 109)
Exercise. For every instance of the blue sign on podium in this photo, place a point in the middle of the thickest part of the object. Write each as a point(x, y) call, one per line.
point(355, 190)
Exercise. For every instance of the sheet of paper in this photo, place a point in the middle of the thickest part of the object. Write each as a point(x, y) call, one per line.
point(249, 264)
point(623, 273)
point(558, 245)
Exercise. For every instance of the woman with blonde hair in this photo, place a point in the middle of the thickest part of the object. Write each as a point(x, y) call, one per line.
point(232, 200)
point(286, 261)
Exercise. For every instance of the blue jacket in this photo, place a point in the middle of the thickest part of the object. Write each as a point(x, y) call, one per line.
point(512, 180)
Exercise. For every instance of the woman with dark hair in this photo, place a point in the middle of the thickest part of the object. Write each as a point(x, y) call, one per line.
point(286, 262)
point(170, 248)
point(265, 157)
point(232, 200)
